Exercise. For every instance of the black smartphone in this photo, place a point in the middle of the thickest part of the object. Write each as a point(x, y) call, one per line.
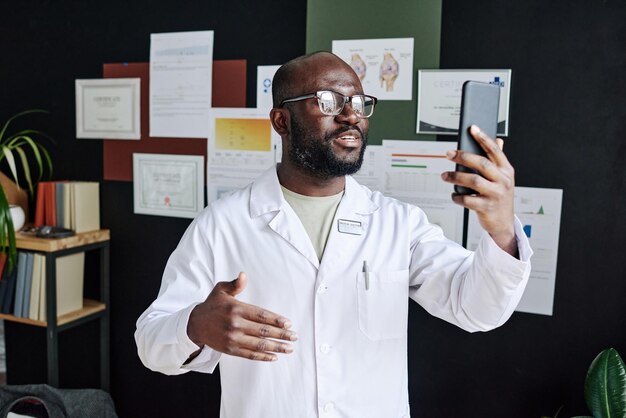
point(479, 106)
point(47, 231)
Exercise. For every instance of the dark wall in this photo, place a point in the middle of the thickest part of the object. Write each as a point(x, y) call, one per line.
point(568, 118)
point(44, 47)
point(567, 114)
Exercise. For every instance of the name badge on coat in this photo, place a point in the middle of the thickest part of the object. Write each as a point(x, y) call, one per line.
point(346, 226)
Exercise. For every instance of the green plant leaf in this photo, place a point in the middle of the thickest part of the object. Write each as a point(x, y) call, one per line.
point(21, 143)
point(29, 132)
point(8, 154)
point(25, 140)
point(25, 167)
point(7, 233)
point(46, 155)
point(37, 150)
point(26, 112)
point(605, 385)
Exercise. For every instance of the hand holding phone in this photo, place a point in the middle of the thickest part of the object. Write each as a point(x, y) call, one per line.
point(479, 106)
point(494, 206)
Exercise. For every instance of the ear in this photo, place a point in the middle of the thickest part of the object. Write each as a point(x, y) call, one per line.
point(280, 121)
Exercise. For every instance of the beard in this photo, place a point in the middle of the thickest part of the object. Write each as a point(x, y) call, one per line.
point(318, 157)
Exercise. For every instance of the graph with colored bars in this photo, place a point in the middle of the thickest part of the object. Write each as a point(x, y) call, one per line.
point(539, 211)
point(243, 134)
point(417, 172)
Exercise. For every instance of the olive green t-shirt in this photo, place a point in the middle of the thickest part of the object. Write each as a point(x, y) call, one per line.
point(316, 214)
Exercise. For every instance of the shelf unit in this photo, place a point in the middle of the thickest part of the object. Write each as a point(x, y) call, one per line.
point(92, 309)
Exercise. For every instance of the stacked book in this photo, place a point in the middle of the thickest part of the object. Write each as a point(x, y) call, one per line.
point(23, 289)
point(73, 205)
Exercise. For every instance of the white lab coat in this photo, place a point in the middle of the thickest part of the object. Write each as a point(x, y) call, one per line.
point(351, 356)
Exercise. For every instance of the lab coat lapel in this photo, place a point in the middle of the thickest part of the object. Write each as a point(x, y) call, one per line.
point(287, 224)
point(266, 199)
point(355, 206)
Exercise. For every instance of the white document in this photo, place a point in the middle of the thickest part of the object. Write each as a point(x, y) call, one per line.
point(439, 99)
point(181, 71)
point(168, 184)
point(539, 210)
point(385, 66)
point(372, 172)
point(413, 174)
point(241, 145)
point(108, 108)
point(264, 78)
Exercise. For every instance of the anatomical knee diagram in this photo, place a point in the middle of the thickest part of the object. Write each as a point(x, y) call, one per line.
point(358, 65)
point(389, 69)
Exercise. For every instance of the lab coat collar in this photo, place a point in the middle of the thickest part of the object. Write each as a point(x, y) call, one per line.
point(266, 200)
point(357, 198)
point(266, 195)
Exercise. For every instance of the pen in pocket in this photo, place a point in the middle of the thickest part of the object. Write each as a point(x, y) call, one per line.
point(367, 275)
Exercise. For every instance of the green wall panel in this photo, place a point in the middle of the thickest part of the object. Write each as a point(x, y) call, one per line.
point(329, 20)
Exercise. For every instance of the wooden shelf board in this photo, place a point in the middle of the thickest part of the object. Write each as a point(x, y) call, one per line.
point(29, 242)
point(89, 307)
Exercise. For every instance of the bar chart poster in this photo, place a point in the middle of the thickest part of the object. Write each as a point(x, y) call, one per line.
point(412, 173)
point(539, 211)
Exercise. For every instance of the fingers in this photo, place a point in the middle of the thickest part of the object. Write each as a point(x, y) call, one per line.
point(253, 355)
point(495, 168)
point(263, 316)
point(267, 331)
point(256, 353)
point(264, 345)
point(479, 184)
point(237, 328)
point(253, 342)
point(256, 341)
point(493, 150)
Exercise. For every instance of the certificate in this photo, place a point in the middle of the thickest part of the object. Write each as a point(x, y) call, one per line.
point(168, 185)
point(439, 99)
point(108, 108)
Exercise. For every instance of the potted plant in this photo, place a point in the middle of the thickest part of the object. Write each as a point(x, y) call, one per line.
point(605, 386)
point(19, 150)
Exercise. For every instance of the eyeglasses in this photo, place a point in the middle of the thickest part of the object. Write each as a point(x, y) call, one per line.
point(332, 103)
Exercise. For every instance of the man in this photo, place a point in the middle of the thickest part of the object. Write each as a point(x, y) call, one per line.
point(316, 322)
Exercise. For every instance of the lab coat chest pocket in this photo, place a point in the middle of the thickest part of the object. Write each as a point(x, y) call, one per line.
point(383, 305)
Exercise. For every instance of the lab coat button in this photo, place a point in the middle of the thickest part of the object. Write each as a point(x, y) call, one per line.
point(321, 290)
point(325, 348)
point(329, 407)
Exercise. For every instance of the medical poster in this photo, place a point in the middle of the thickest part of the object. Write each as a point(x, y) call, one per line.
point(264, 78)
point(384, 66)
point(181, 71)
point(539, 210)
point(439, 98)
point(412, 173)
point(372, 170)
point(241, 145)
